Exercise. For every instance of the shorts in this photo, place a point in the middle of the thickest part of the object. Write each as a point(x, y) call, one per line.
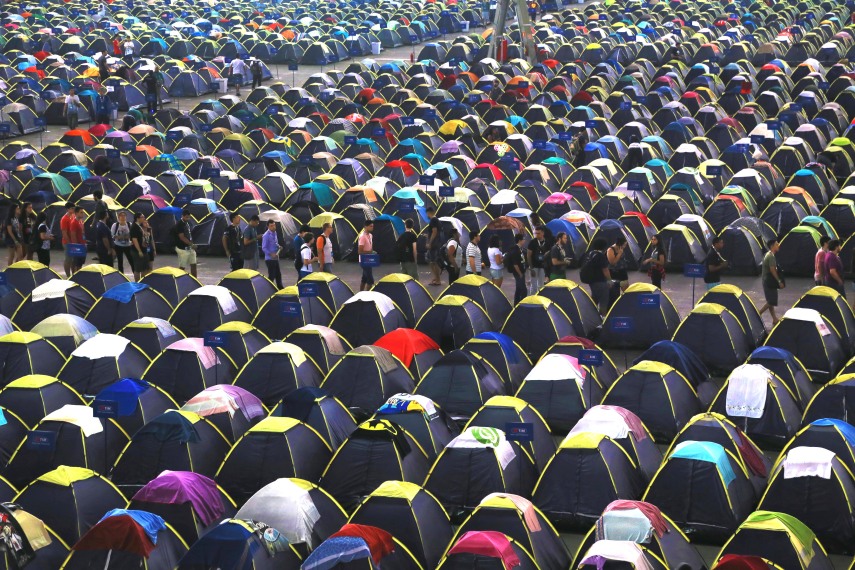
point(185, 257)
point(75, 261)
point(496, 273)
point(432, 255)
point(367, 276)
point(771, 296)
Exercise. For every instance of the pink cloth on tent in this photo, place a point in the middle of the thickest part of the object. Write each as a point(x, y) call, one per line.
point(524, 505)
point(206, 354)
point(633, 422)
point(652, 512)
point(487, 543)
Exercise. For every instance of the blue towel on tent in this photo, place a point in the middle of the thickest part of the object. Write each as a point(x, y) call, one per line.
point(846, 429)
point(711, 453)
point(124, 292)
point(336, 550)
point(150, 523)
point(506, 342)
point(125, 393)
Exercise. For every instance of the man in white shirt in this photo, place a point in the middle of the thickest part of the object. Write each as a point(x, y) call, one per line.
point(72, 108)
point(129, 48)
point(237, 71)
point(473, 254)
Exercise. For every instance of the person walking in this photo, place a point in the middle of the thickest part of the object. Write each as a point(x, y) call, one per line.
point(232, 242)
point(714, 264)
point(249, 250)
point(772, 280)
point(515, 262)
point(560, 260)
point(45, 237)
point(365, 246)
point(76, 238)
point(595, 273)
point(121, 232)
point(323, 245)
point(237, 71)
point(102, 107)
point(100, 205)
point(64, 226)
point(255, 68)
point(150, 84)
point(656, 262)
point(28, 228)
point(139, 256)
point(473, 254)
point(296, 245)
point(433, 246)
point(306, 255)
point(819, 261)
point(834, 268)
point(72, 109)
point(407, 254)
point(271, 248)
point(619, 261)
point(13, 235)
point(536, 256)
point(454, 256)
point(185, 249)
point(497, 260)
point(104, 241)
point(103, 70)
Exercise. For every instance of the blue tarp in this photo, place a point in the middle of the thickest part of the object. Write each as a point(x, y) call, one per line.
point(679, 357)
point(506, 342)
point(125, 393)
point(124, 292)
point(150, 523)
point(707, 451)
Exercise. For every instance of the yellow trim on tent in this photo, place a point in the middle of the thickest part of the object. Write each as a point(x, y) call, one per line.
point(192, 417)
point(506, 402)
point(289, 291)
point(242, 274)
point(99, 268)
point(394, 278)
point(168, 270)
point(453, 300)
point(535, 300)
point(708, 309)
point(822, 291)
point(33, 381)
point(20, 337)
point(639, 287)
point(235, 326)
point(65, 475)
point(564, 283)
point(274, 424)
point(582, 440)
point(727, 288)
point(397, 490)
point(320, 276)
point(472, 279)
point(27, 264)
point(651, 366)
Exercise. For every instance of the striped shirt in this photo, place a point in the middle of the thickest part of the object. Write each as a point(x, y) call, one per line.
point(472, 250)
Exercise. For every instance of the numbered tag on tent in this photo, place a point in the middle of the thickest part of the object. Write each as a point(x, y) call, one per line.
point(794, 108)
point(349, 139)
point(290, 309)
point(758, 139)
point(741, 148)
point(623, 324)
point(591, 357)
point(305, 160)
point(592, 124)
point(455, 10)
point(215, 339)
point(426, 180)
point(625, 105)
point(634, 185)
point(523, 85)
point(113, 153)
point(641, 100)
point(107, 409)
point(694, 270)
point(308, 289)
point(713, 170)
point(565, 136)
point(5, 128)
point(603, 17)
point(236, 184)
point(181, 200)
point(41, 440)
point(446, 191)
point(519, 431)
point(649, 300)
point(304, 101)
point(430, 70)
point(75, 250)
point(211, 173)
point(773, 125)
point(431, 115)
point(205, 128)
point(127, 146)
point(408, 121)
point(406, 207)
point(414, 38)
point(273, 109)
point(378, 132)
point(174, 135)
point(539, 145)
point(823, 84)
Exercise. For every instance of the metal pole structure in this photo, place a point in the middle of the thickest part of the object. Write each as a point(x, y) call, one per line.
point(524, 23)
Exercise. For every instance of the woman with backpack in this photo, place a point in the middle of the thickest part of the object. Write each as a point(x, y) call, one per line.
point(656, 262)
point(619, 261)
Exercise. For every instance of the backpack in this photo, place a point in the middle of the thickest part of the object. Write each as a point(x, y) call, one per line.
point(179, 228)
point(298, 258)
point(588, 273)
point(509, 259)
point(401, 246)
point(442, 257)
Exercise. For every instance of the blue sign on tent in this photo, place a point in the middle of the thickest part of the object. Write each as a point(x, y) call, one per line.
point(127, 146)
point(713, 170)
point(174, 135)
point(205, 128)
point(273, 109)
point(641, 100)
point(446, 191)
point(290, 309)
point(795, 108)
point(350, 139)
point(236, 184)
point(741, 148)
point(758, 139)
point(414, 38)
point(603, 17)
point(625, 105)
point(211, 173)
point(522, 85)
point(823, 84)
point(649, 300)
point(430, 70)
point(113, 153)
point(408, 121)
point(5, 128)
point(694, 270)
point(213, 86)
point(305, 160)
point(39, 122)
point(107, 409)
point(41, 440)
point(430, 115)
point(181, 200)
point(539, 145)
point(455, 10)
point(589, 124)
point(303, 101)
point(426, 180)
point(369, 260)
point(773, 125)
point(519, 431)
point(591, 357)
point(293, 67)
point(407, 206)
point(378, 132)
point(307, 289)
point(565, 136)
point(625, 324)
point(634, 185)
point(215, 339)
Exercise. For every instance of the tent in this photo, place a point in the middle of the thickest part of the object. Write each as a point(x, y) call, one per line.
point(366, 317)
point(259, 457)
point(476, 463)
point(249, 286)
point(237, 543)
point(276, 370)
point(55, 296)
point(187, 367)
point(376, 451)
point(716, 336)
point(230, 409)
point(831, 401)
point(97, 278)
point(206, 308)
point(741, 306)
point(34, 396)
point(277, 322)
point(66, 332)
point(423, 419)
point(486, 294)
point(604, 374)
point(812, 339)
point(452, 320)
point(833, 306)
point(327, 415)
point(408, 294)
point(26, 353)
point(560, 390)
point(414, 349)
point(786, 367)
point(321, 344)
point(489, 550)
point(100, 361)
point(576, 304)
point(535, 324)
point(703, 489)
point(460, 383)
point(631, 323)
point(150, 335)
point(828, 515)
point(171, 282)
